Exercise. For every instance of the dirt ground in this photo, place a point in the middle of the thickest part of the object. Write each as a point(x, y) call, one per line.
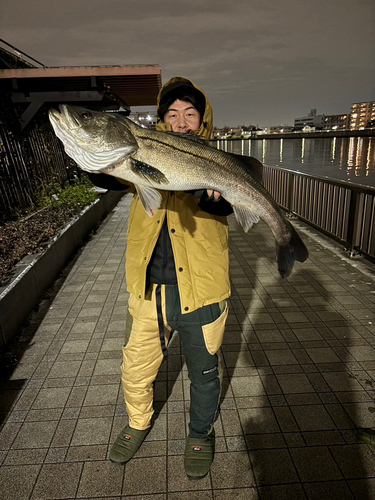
point(29, 234)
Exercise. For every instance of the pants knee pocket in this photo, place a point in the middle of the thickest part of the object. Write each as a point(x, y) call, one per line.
point(213, 333)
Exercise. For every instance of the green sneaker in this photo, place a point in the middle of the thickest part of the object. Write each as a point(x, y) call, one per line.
point(127, 444)
point(199, 454)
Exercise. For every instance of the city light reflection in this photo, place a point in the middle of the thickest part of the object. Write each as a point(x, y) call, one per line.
point(342, 158)
point(368, 158)
point(303, 151)
point(333, 149)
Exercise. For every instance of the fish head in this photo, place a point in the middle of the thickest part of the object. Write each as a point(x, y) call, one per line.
point(95, 140)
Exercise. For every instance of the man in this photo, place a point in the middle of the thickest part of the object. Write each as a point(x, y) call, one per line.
point(177, 269)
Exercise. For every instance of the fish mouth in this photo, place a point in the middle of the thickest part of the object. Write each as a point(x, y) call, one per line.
point(66, 119)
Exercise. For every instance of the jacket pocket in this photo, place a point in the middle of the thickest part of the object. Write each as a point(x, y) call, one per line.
point(213, 333)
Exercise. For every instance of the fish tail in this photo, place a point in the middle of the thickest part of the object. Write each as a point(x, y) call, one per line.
point(287, 254)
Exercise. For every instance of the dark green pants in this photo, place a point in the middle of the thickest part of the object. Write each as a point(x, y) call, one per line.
point(149, 325)
point(205, 371)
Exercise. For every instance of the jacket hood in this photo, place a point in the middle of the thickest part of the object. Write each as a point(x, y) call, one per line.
point(205, 130)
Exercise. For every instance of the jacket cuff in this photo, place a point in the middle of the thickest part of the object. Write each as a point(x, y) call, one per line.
point(221, 207)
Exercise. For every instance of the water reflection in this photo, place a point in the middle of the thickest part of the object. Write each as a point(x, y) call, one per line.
point(349, 159)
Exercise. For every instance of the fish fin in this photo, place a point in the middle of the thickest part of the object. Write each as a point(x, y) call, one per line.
point(294, 250)
point(150, 198)
point(147, 172)
point(254, 166)
point(245, 217)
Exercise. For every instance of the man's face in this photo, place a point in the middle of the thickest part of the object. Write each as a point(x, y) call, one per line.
point(183, 117)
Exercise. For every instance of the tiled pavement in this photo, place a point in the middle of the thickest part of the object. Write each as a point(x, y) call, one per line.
point(299, 378)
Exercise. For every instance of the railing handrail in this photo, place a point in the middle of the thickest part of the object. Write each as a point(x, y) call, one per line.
point(361, 188)
point(342, 210)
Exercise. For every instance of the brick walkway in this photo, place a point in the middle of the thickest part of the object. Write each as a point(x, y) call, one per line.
point(299, 378)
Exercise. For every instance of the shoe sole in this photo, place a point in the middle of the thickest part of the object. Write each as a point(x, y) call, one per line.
point(196, 478)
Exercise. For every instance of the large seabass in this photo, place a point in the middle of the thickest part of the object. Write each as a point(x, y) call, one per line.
point(112, 144)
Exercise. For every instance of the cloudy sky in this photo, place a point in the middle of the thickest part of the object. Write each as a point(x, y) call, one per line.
point(262, 62)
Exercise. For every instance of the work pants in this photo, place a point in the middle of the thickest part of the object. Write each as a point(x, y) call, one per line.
point(150, 324)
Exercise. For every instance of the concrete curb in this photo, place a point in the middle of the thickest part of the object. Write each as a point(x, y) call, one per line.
point(35, 273)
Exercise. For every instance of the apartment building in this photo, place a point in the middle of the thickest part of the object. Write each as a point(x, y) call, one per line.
point(362, 113)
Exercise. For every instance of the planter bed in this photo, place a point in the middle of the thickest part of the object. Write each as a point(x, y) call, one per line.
point(35, 273)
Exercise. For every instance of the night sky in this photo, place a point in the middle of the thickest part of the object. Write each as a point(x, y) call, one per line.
point(260, 62)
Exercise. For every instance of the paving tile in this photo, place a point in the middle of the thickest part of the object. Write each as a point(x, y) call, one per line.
point(86, 453)
point(185, 495)
point(57, 481)
point(265, 441)
point(176, 426)
point(153, 449)
point(231, 422)
point(25, 457)
point(258, 421)
point(35, 435)
point(92, 431)
point(323, 438)
point(312, 418)
point(108, 367)
point(26, 399)
point(363, 488)
point(315, 463)
point(286, 419)
point(282, 492)
point(74, 346)
point(19, 481)
point(100, 479)
point(273, 467)
point(63, 433)
point(362, 353)
point(67, 369)
point(247, 386)
point(355, 461)
point(280, 357)
point(342, 381)
point(232, 470)
point(323, 355)
point(310, 398)
point(51, 398)
point(334, 490)
point(237, 494)
point(134, 480)
point(294, 383)
point(101, 395)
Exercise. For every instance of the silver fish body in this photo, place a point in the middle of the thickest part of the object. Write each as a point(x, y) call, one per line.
point(112, 144)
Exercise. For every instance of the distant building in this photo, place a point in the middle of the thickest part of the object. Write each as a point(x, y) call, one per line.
point(146, 119)
point(311, 120)
point(278, 129)
point(362, 113)
point(336, 122)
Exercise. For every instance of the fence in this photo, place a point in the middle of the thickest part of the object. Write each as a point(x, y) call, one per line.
point(29, 162)
point(343, 211)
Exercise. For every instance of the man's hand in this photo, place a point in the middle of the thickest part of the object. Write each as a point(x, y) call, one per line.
point(215, 194)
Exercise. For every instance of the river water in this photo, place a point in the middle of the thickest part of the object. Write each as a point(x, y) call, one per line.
point(350, 159)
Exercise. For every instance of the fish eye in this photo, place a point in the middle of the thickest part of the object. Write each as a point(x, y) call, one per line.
point(85, 115)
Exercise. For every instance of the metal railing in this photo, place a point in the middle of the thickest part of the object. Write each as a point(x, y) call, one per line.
point(27, 164)
point(341, 210)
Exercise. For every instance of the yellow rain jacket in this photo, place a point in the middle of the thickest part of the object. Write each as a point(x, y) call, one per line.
point(199, 240)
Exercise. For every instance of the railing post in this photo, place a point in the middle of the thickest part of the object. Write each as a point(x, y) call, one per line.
point(290, 192)
point(352, 221)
